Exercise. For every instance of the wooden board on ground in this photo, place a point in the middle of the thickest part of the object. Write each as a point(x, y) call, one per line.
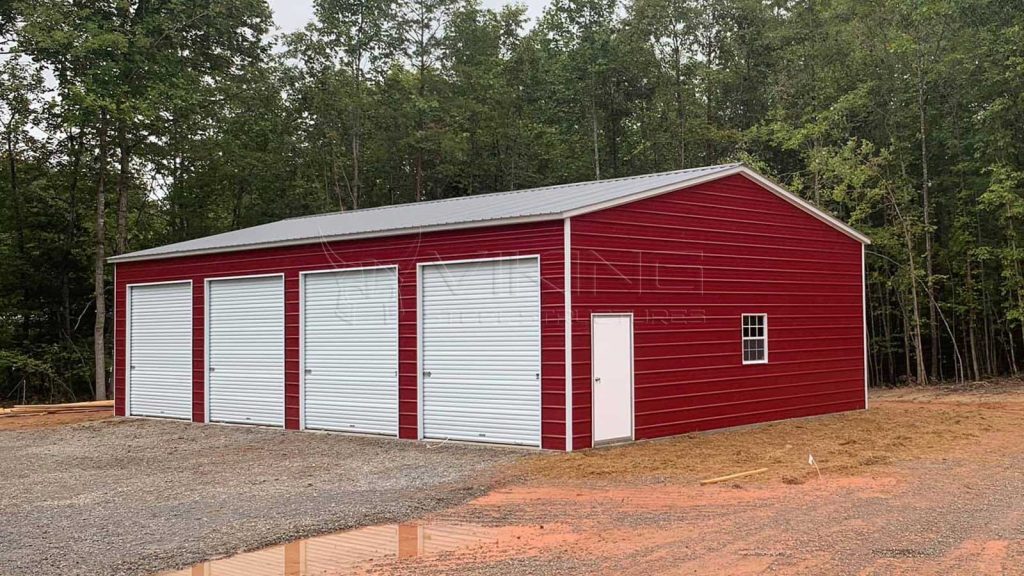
point(95, 404)
point(71, 408)
point(732, 476)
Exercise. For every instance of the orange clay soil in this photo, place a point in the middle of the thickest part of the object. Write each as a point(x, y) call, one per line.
point(927, 482)
point(33, 422)
point(900, 425)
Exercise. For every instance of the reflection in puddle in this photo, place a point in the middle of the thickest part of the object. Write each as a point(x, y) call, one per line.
point(344, 551)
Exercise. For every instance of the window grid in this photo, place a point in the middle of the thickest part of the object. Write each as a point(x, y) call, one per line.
point(755, 338)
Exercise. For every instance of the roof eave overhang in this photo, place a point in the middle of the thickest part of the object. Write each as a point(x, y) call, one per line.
point(338, 237)
point(738, 170)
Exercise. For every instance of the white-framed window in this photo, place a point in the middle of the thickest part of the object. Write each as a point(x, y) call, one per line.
point(755, 338)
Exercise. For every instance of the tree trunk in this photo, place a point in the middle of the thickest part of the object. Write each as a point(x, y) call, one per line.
point(990, 332)
point(420, 121)
point(99, 328)
point(908, 371)
point(680, 101)
point(69, 234)
point(336, 181)
point(123, 180)
point(357, 127)
point(12, 166)
point(1010, 350)
point(887, 328)
point(355, 168)
point(419, 174)
point(17, 202)
point(933, 322)
point(922, 375)
point(972, 322)
point(593, 125)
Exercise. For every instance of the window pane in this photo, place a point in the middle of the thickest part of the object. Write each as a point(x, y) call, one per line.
point(753, 350)
point(754, 337)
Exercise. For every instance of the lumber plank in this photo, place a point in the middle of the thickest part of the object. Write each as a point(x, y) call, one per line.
point(732, 476)
point(72, 405)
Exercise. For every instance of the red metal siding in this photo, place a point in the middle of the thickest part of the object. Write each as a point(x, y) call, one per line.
point(687, 264)
point(544, 239)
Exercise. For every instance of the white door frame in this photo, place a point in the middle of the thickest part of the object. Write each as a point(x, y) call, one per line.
point(128, 343)
point(302, 337)
point(206, 344)
point(419, 335)
point(632, 379)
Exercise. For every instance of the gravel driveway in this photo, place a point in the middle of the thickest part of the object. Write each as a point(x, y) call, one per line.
point(136, 496)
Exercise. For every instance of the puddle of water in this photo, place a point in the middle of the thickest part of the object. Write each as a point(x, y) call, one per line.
point(343, 552)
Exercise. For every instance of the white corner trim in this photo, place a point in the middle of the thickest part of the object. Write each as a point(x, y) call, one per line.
point(864, 312)
point(567, 288)
point(113, 352)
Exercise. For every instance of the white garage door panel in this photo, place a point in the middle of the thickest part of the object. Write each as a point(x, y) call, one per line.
point(481, 351)
point(246, 350)
point(350, 347)
point(160, 351)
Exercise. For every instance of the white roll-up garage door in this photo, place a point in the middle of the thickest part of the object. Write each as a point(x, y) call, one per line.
point(350, 350)
point(481, 351)
point(160, 350)
point(245, 370)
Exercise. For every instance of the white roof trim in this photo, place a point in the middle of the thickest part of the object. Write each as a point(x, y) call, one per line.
point(738, 169)
point(651, 193)
point(806, 206)
point(340, 237)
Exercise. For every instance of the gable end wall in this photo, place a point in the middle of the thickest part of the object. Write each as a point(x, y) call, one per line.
point(687, 265)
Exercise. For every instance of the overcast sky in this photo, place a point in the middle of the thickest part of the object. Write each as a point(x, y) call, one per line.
point(291, 15)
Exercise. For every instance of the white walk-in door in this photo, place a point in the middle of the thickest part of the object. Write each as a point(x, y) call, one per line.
point(245, 339)
point(160, 350)
point(481, 351)
point(350, 350)
point(612, 348)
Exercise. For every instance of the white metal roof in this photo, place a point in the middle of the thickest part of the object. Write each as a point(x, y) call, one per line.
point(535, 204)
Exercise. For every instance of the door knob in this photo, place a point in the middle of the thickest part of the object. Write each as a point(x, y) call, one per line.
point(597, 380)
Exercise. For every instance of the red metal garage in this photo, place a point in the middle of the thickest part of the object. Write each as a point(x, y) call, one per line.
point(699, 299)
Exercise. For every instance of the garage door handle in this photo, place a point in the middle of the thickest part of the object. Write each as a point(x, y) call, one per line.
point(426, 373)
point(309, 371)
point(597, 380)
point(212, 368)
point(133, 366)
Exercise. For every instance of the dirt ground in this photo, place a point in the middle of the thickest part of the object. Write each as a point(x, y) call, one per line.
point(900, 425)
point(927, 482)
